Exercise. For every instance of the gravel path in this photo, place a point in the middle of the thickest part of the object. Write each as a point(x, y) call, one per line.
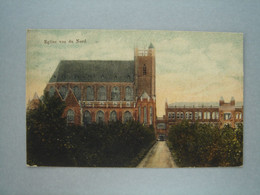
point(159, 156)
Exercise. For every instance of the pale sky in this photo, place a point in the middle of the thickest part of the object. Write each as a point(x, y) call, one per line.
point(190, 66)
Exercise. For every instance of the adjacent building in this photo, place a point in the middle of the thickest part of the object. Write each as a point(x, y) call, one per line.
point(216, 113)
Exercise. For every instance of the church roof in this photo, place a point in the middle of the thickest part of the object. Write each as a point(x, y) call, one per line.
point(93, 71)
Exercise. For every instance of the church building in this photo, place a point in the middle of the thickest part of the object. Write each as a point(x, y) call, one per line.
point(104, 90)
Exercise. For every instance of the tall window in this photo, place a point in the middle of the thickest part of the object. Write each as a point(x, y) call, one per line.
point(227, 116)
point(113, 116)
point(144, 69)
point(100, 117)
point(139, 113)
point(128, 93)
point(90, 93)
point(178, 115)
point(51, 91)
point(190, 115)
point(115, 94)
point(102, 95)
point(127, 116)
point(187, 115)
point(200, 115)
point(70, 116)
point(213, 115)
point(206, 115)
point(182, 115)
point(196, 115)
point(77, 92)
point(87, 118)
point(145, 115)
point(217, 115)
point(151, 115)
point(63, 91)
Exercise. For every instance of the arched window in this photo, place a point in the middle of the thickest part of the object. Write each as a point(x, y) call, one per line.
point(113, 116)
point(139, 113)
point(127, 116)
point(70, 116)
point(51, 91)
point(63, 91)
point(100, 117)
point(145, 115)
point(115, 94)
point(151, 115)
point(144, 69)
point(128, 93)
point(102, 94)
point(87, 119)
point(77, 92)
point(90, 93)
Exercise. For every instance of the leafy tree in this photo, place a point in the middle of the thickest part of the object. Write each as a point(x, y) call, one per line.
point(196, 144)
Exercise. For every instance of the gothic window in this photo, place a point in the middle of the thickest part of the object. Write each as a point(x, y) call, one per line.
point(151, 115)
point(102, 95)
point(51, 91)
point(127, 116)
point(144, 69)
point(90, 93)
point(145, 115)
point(100, 117)
point(113, 116)
point(70, 116)
point(128, 93)
point(139, 111)
point(115, 94)
point(77, 92)
point(63, 91)
point(87, 118)
point(237, 115)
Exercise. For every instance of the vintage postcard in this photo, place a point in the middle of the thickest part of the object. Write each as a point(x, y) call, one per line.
point(132, 98)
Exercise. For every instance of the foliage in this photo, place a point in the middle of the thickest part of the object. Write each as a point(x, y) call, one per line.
point(50, 142)
point(200, 145)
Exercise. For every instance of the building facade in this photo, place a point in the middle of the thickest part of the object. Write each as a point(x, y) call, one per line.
point(102, 91)
point(216, 113)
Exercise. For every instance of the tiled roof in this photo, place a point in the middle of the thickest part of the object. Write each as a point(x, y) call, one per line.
point(93, 71)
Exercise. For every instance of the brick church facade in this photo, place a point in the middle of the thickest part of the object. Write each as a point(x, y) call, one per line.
point(102, 91)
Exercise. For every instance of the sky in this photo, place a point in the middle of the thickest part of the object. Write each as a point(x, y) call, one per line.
point(190, 66)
